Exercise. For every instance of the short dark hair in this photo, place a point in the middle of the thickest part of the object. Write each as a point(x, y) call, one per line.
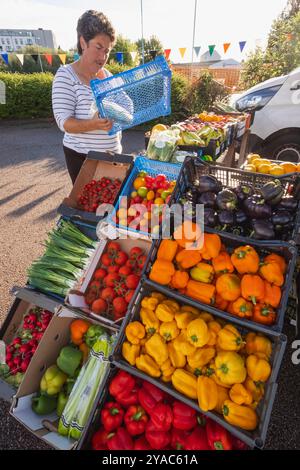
point(92, 23)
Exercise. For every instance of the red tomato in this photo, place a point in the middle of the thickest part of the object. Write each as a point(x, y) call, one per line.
point(125, 271)
point(108, 294)
point(99, 306)
point(135, 252)
point(111, 279)
point(120, 305)
point(113, 269)
point(121, 258)
point(129, 295)
point(100, 273)
point(106, 260)
point(113, 246)
point(132, 281)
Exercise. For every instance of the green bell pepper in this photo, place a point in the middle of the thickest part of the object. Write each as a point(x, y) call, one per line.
point(52, 380)
point(61, 402)
point(69, 360)
point(44, 404)
point(92, 335)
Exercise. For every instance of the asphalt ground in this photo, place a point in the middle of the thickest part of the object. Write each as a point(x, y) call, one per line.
point(33, 182)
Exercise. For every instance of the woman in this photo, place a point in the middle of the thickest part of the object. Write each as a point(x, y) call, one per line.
point(72, 97)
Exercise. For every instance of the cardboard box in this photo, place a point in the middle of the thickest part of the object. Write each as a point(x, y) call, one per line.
point(24, 301)
point(97, 165)
point(55, 338)
point(75, 297)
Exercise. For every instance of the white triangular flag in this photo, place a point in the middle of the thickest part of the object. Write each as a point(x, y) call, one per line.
point(21, 58)
point(133, 55)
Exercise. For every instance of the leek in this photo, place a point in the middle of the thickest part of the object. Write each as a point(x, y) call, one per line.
point(47, 286)
point(70, 231)
point(66, 244)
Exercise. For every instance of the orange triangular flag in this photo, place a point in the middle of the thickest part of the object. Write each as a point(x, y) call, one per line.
point(62, 58)
point(167, 53)
point(226, 46)
point(182, 51)
point(48, 58)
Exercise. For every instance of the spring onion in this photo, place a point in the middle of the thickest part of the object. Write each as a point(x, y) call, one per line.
point(60, 264)
point(70, 231)
point(67, 245)
point(47, 286)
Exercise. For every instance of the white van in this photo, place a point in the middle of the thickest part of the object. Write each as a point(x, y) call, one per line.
point(275, 129)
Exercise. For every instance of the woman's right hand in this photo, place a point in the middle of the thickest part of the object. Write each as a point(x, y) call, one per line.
point(102, 124)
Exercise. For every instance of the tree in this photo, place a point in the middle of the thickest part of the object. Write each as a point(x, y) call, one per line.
point(152, 44)
point(203, 93)
point(282, 54)
point(126, 46)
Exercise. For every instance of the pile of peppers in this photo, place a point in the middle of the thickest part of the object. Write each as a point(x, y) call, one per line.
point(139, 416)
point(267, 213)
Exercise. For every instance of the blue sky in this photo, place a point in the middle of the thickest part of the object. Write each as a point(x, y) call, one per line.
point(218, 21)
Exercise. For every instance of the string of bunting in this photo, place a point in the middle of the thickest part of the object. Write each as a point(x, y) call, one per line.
point(120, 55)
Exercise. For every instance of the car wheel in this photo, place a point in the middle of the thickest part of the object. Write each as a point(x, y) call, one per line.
point(285, 148)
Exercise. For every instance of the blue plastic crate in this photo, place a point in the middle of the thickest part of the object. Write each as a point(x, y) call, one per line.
point(153, 168)
point(135, 96)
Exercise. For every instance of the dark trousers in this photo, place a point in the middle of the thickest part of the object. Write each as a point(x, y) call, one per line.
point(74, 161)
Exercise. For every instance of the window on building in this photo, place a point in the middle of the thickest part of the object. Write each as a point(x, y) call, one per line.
point(16, 40)
point(3, 41)
point(7, 41)
point(21, 41)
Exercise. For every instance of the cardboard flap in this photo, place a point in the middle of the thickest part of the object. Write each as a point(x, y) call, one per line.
point(37, 299)
point(121, 158)
point(24, 413)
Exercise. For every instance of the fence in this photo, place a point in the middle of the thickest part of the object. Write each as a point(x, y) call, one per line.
point(229, 77)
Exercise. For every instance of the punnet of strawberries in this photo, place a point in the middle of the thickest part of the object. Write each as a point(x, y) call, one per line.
point(96, 192)
point(20, 350)
point(115, 280)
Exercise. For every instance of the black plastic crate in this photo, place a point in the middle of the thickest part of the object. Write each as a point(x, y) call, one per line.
point(263, 248)
point(255, 438)
point(194, 168)
point(90, 217)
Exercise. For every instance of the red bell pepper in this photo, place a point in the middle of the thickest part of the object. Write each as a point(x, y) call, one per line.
point(162, 417)
point(135, 420)
point(130, 398)
point(99, 440)
point(141, 444)
point(158, 440)
point(237, 444)
point(112, 416)
point(121, 383)
point(120, 440)
point(184, 417)
point(149, 396)
point(217, 436)
point(178, 438)
point(197, 440)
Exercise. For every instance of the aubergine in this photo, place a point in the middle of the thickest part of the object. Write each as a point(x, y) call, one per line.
point(256, 207)
point(263, 230)
point(282, 217)
point(243, 191)
point(227, 200)
point(272, 192)
point(208, 199)
point(210, 217)
point(241, 218)
point(207, 183)
point(289, 203)
point(226, 218)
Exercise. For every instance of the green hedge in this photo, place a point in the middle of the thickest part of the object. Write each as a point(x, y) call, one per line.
point(27, 95)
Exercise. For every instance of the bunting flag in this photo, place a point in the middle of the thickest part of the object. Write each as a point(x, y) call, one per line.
point(21, 58)
point(167, 53)
point(120, 57)
point(182, 51)
point(48, 58)
point(5, 57)
point(197, 50)
point(35, 57)
point(133, 55)
point(242, 45)
point(289, 36)
point(76, 56)
point(211, 49)
point(226, 46)
point(62, 58)
point(153, 54)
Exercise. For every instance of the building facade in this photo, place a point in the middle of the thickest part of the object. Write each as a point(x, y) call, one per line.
point(12, 40)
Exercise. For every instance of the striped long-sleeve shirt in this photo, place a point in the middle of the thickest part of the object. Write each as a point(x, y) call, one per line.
point(72, 98)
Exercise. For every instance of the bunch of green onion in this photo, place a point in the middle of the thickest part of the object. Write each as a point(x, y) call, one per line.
point(67, 253)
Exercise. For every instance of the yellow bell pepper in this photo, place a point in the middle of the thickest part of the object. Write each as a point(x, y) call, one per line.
point(259, 345)
point(211, 371)
point(240, 415)
point(165, 313)
point(166, 378)
point(230, 368)
point(150, 321)
point(157, 295)
point(201, 357)
point(130, 352)
point(258, 369)
point(185, 383)
point(229, 339)
point(172, 304)
point(202, 272)
point(207, 317)
point(190, 309)
point(150, 303)
point(157, 349)
point(181, 344)
point(197, 333)
point(177, 359)
point(167, 369)
point(213, 329)
point(135, 332)
point(169, 330)
point(207, 393)
point(240, 395)
point(196, 372)
point(257, 389)
point(222, 396)
point(148, 365)
point(183, 319)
